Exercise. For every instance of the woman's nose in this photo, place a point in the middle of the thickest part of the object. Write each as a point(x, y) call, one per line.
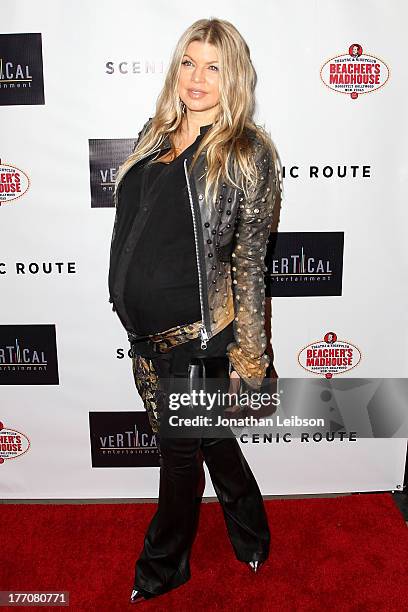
point(198, 75)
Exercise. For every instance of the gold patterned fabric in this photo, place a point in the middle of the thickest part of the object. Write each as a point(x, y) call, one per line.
point(174, 336)
point(145, 375)
point(146, 381)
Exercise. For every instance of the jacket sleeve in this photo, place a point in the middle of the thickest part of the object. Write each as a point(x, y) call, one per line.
point(254, 218)
point(142, 133)
point(139, 136)
point(115, 197)
point(117, 208)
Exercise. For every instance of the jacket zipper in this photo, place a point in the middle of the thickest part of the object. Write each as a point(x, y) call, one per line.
point(203, 329)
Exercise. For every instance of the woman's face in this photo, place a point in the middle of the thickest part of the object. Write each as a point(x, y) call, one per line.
point(199, 77)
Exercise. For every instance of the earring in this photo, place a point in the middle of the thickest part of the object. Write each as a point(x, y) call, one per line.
point(183, 106)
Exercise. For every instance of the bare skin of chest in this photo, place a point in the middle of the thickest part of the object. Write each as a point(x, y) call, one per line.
point(180, 147)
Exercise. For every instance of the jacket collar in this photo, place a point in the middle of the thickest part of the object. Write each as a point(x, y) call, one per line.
point(203, 130)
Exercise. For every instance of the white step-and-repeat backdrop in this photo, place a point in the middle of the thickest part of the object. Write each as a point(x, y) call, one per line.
point(78, 79)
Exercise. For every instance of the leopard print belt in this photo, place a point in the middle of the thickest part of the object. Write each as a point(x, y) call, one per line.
point(164, 341)
point(144, 372)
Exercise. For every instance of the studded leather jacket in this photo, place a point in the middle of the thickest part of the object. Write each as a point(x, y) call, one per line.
point(231, 241)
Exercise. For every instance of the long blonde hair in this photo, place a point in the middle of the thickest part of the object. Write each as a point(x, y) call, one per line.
point(229, 153)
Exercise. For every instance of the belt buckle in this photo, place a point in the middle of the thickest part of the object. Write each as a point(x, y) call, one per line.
point(155, 346)
point(131, 337)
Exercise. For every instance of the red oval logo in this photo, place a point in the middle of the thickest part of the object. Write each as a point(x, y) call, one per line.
point(13, 443)
point(13, 183)
point(330, 356)
point(354, 73)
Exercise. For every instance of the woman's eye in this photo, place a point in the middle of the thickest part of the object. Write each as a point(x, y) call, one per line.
point(186, 62)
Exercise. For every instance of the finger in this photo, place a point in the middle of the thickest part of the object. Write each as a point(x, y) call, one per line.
point(234, 383)
point(234, 387)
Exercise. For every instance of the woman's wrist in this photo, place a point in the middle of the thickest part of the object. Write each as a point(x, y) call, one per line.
point(250, 368)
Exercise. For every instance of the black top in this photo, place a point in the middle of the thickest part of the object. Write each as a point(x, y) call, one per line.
point(161, 287)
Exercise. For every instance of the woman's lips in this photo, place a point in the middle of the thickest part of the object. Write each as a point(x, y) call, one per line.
point(196, 93)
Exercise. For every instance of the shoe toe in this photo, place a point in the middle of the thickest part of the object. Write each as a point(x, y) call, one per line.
point(255, 565)
point(137, 596)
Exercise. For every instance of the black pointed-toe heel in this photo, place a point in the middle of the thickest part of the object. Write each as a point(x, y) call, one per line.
point(137, 596)
point(255, 565)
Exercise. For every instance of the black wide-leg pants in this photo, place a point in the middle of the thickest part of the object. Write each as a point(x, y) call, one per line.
point(164, 561)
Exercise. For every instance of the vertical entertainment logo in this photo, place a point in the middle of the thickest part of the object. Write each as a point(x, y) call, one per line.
point(21, 69)
point(122, 439)
point(304, 264)
point(28, 355)
point(105, 157)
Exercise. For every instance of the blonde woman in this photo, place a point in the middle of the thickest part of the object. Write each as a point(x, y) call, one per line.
point(194, 205)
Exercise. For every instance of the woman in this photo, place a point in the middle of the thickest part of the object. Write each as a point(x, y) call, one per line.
point(194, 207)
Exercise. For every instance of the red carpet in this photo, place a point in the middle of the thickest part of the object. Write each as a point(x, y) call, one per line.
point(346, 553)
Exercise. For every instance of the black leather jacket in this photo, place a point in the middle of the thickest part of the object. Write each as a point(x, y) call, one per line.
point(231, 241)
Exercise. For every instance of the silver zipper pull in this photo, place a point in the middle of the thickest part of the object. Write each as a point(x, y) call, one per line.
point(204, 338)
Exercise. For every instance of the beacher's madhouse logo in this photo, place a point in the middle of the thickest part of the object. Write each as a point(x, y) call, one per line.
point(13, 443)
point(21, 69)
point(354, 73)
point(329, 356)
point(13, 183)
